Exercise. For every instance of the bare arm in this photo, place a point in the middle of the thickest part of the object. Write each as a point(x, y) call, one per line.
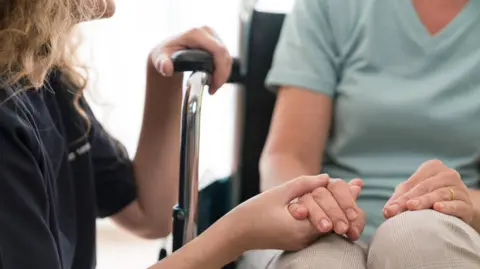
point(214, 248)
point(157, 159)
point(297, 136)
point(248, 227)
point(158, 154)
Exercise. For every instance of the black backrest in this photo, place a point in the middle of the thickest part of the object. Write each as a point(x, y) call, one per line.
point(263, 35)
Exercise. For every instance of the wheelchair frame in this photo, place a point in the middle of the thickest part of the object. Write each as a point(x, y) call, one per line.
point(259, 31)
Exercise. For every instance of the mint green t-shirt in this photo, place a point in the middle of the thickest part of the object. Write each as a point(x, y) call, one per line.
point(401, 96)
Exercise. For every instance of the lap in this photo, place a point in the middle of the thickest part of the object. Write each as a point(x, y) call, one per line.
point(331, 251)
point(424, 239)
point(419, 239)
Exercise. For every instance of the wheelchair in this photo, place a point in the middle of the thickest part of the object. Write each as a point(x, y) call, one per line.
point(260, 28)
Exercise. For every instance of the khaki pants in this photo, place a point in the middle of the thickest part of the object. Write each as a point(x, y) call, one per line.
point(412, 240)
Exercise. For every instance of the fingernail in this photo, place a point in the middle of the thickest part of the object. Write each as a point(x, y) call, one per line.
point(415, 203)
point(393, 209)
point(342, 227)
point(441, 205)
point(161, 67)
point(356, 232)
point(325, 224)
point(351, 214)
point(385, 212)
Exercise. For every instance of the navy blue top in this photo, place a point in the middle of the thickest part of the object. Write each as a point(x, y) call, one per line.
point(55, 179)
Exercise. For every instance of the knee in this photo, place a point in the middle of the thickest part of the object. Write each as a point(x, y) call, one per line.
point(326, 252)
point(420, 235)
point(404, 226)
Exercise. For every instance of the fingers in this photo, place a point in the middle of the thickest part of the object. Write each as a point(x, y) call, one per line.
point(342, 194)
point(298, 211)
point(298, 187)
point(356, 186)
point(327, 202)
point(357, 226)
point(205, 38)
point(355, 191)
point(455, 208)
point(316, 214)
point(356, 182)
point(440, 195)
point(426, 170)
point(446, 178)
point(345, 195)
point(162, 63)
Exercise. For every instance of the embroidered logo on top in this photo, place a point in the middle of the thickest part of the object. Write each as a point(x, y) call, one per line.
point(79, 151)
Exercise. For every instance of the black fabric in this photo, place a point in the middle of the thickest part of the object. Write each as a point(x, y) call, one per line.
point(55, 179)
point(258, 103)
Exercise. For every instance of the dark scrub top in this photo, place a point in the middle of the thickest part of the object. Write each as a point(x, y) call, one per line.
point(55, 180)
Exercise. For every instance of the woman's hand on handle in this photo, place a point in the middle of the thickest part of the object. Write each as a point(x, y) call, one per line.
point(198, 38)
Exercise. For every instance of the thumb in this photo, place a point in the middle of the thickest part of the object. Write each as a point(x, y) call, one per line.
point(299, 186)
point(356, 186)
point(162, 63)
point(356, 182)
point(355, 191)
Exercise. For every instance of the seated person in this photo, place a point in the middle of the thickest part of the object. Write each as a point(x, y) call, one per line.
point(385, 92)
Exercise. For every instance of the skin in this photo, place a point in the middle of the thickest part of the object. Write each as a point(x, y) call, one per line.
point(248, 226)
point(295, 147)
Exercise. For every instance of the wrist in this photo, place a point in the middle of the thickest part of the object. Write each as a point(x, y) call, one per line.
point(236, 232)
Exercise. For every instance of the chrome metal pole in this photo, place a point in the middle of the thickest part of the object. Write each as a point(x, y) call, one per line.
point(185, 213)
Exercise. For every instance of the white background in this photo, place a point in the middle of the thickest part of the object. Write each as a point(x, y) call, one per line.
point(116, 51)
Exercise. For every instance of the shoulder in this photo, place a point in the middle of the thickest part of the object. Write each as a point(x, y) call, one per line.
point(333, 19)
point(17, 122)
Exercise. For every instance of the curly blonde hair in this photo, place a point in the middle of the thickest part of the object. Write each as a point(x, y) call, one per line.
point(37, 36)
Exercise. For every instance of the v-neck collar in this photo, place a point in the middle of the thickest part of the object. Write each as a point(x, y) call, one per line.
point(464, 19)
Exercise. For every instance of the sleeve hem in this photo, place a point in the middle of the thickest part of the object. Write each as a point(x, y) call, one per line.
point(277, 78)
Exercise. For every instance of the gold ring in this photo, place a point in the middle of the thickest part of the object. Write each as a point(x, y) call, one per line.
point(452, 194)
point(294, 201)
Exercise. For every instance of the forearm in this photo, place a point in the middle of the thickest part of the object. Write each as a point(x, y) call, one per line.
point(475, 197)
point(216, 247)
point(276, 169)
point(158, 154)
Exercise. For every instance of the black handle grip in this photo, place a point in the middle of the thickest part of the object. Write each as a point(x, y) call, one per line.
point(193, 60)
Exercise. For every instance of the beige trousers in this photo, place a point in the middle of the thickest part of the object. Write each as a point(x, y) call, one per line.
point(412, 240)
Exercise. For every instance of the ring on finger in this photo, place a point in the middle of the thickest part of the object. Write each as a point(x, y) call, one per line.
point(452, 194)
point(294, 201)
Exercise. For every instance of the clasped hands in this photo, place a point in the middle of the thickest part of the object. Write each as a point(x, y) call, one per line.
point(333, 208)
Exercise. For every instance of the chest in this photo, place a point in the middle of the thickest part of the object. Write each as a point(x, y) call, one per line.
point(400, 85)
point(436, 15)
point(68, 180)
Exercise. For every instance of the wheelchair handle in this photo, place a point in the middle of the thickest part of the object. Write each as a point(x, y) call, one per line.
point(192, 60)
point(185, 213)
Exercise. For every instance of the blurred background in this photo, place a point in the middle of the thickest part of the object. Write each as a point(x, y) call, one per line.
point(116, 51)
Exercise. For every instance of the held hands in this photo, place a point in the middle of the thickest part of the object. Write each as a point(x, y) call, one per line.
point(432, 186)
point(332, 208)
point(199, 38)
point(264, 222)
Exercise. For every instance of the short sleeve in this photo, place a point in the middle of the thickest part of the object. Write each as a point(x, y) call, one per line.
point(25, 237)
point(306, 54)
point(113, 171)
